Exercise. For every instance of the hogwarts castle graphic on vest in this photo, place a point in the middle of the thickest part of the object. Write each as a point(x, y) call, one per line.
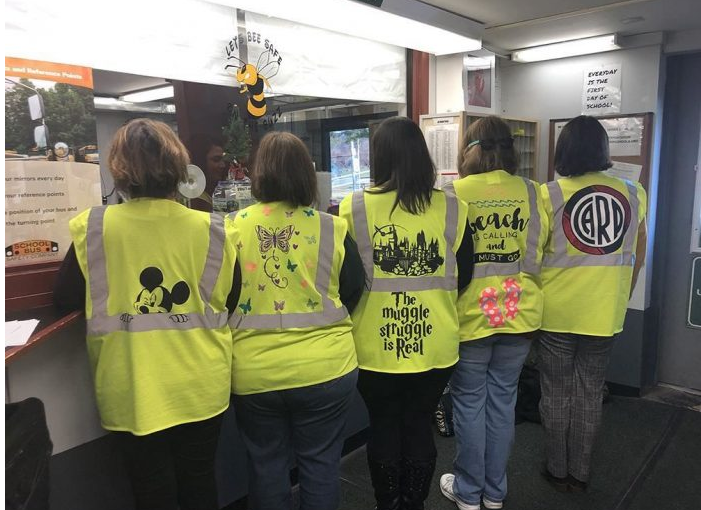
point(394, 253)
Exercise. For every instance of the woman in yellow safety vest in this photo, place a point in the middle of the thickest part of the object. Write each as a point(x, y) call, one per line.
point(498, 313)
point(155, 280)
point(596, 249)
point(294, 364)
point(417, 254)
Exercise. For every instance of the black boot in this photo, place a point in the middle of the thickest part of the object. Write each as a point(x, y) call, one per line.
point(385, 481)
point(416, 482)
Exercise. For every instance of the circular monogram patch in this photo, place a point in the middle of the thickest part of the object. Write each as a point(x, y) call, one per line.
point(596, 219)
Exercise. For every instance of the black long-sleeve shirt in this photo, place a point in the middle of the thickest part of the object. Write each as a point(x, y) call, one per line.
point(465, 260)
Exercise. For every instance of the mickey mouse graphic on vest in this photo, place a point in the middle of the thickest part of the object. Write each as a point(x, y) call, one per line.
point(154, 298)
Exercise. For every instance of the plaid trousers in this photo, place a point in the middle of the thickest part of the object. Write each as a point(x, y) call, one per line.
point(572, 371)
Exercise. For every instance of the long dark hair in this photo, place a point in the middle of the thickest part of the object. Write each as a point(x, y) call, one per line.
point(400, 161)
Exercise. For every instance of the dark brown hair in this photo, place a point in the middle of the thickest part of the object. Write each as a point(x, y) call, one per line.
point(283, 171)
point(401, 161)
point(495, 150)
point(147, 159)
point(583, 146)
point(199, 144)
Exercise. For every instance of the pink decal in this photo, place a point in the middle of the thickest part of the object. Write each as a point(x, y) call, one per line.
point(490, 307)
point(489, 303)
point(513, 295)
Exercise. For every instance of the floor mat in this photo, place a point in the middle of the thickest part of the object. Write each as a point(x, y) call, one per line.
point(630, 431)
point(674, 483)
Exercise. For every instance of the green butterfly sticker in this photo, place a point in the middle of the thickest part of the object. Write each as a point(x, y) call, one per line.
point(312, 304)
point(311, 239)
point(309, 212)
point(243, 215)
point(246, 307)
point(291, 266)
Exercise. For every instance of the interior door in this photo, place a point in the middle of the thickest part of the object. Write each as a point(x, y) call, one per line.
point(679, 343)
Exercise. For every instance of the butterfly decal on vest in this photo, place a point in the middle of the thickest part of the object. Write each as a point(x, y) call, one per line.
point(279, 305)
point(278, 238)
point(246, 307)
point(271, 241)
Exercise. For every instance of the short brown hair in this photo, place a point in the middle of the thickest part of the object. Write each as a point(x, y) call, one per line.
point(147, 159)
point(283, 171)
point(496, 148)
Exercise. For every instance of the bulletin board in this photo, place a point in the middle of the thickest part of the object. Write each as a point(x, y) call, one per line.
point(630, 140)
point(443, 133)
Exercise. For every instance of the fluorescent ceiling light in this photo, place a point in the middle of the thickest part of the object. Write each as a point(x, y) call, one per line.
point(111, 103)
point(361, 20)
point(106, 101)
point(476, 63)
point(566, 49)
point(149, 95)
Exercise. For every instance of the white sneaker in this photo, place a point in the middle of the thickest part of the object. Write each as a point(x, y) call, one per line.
point(447, 490)
point(492, 505)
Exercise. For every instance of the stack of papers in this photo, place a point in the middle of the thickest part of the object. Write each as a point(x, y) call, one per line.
point(18, 332)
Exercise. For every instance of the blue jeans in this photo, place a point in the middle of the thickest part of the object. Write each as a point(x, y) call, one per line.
point(300, 424)
point(483, 388)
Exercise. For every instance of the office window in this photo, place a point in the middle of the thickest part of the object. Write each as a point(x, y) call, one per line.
point(349, 161)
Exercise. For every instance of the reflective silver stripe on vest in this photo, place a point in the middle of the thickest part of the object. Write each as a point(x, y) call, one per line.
point(529, 262)
point(362, 234)
point(97, 267)
point(215, 257)
point(560, 257)
point(328, 314)
point(404, 283)
point(101, 324)
point(155, 322)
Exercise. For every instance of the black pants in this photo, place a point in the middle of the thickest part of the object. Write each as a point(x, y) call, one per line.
point(401, 408)
point(173, 468)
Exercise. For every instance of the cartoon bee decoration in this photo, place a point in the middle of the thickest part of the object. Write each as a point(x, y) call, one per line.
point(254, 80)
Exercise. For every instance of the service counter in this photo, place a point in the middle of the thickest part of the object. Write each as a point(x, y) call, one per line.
point(53, 366)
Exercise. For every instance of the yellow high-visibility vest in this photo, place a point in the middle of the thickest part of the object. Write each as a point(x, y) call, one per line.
point(290, 328)
point(588, 265)
point(406, 320)
point(157, 278)
point(509, 231)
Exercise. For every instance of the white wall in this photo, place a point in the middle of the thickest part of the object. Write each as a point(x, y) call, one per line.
point(683, 41)
point(449, 96)
point(58, 373)
point(553, 89)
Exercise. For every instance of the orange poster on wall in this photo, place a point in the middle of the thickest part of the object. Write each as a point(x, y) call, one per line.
point(51, 71)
